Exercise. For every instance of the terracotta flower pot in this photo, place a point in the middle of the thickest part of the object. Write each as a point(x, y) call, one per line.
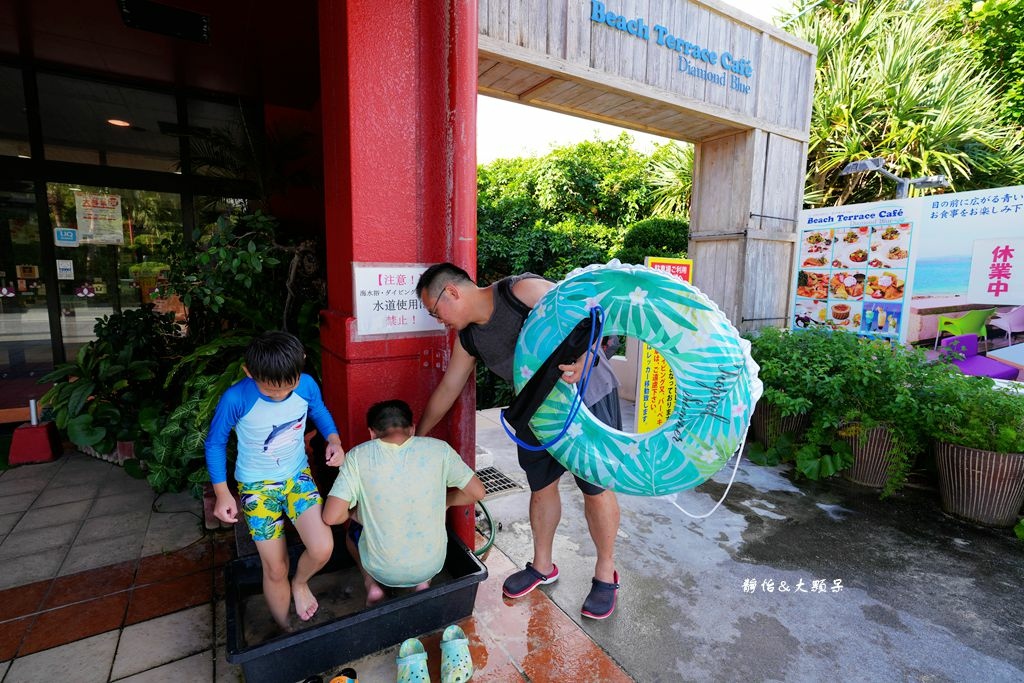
point(768, 424)
point(985, 487)
point(125, 451)
point(870, 456)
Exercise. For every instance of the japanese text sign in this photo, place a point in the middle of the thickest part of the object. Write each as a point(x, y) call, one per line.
point(386, 301)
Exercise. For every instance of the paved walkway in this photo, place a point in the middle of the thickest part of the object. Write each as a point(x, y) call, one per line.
point(105, 581)
point(906, 593)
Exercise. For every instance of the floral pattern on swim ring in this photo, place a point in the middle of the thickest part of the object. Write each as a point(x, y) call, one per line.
point(716, 380)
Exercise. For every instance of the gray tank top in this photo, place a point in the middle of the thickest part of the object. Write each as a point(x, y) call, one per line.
point(494, 342)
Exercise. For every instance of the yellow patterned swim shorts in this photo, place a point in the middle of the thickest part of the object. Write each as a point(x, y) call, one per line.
point(263, 503)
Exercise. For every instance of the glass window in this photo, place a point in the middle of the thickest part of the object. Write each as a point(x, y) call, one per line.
point(13, 122)
point(122, 239)
point(222, 142)
point(109, 125)
point(211, 210)
point(25, 349)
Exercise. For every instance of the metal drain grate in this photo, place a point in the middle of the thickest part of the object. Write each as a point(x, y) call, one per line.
point(496, 483)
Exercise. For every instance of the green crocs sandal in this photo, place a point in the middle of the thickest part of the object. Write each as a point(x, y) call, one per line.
point(456, 662)
point(412, 662)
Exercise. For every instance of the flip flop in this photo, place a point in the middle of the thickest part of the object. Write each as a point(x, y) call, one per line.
point(412, 662)
point(456, 662)
point(346, 675)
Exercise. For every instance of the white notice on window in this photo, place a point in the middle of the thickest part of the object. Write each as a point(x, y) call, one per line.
point(99, 218)
point(65, 269)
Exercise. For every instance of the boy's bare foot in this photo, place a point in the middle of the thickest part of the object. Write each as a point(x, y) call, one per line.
point(422, 587)
point(305, 603)
point(374, 593)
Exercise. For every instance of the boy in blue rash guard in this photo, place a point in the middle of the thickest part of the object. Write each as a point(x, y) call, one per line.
point(268, 412)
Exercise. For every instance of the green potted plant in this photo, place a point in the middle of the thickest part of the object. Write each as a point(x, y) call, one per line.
point(980, 450)
point(783, 412)
point(868, 417)
point(97, 398)
point(88, 399)
point(147, 276)
point(233, 284)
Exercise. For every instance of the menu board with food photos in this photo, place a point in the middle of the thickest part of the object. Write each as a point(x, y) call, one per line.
point(854, 277)
point(888, 269)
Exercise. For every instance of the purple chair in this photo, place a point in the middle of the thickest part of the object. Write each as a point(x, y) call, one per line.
point(972, 363)
point(1010, 322)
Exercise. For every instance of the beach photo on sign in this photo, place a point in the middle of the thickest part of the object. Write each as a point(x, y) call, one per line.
point(812, 285)
point(846, 285)
point(886, 285)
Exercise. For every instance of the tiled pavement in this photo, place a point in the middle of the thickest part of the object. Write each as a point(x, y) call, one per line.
point(102, 580)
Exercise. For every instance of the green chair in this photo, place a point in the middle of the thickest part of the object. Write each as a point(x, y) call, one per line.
point(971, 322)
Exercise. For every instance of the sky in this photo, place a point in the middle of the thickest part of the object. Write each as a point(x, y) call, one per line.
point(506, 129)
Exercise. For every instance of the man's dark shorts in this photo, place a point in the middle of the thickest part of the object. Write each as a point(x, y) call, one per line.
point(542, 469)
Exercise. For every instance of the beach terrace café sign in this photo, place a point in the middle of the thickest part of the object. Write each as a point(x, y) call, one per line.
point(694, 60)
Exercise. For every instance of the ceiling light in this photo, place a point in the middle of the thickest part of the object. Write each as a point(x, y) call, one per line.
point(119, 123)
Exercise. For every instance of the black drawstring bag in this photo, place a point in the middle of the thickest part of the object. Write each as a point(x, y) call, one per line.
point(526, 402)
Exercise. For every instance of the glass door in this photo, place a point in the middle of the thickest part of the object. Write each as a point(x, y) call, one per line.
point(25, 349)
point(109, 247)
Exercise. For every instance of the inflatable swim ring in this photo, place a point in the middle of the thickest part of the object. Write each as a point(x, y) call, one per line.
point(716, 380)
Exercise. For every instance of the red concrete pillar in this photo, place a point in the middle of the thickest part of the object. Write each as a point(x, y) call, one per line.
point(398, 91)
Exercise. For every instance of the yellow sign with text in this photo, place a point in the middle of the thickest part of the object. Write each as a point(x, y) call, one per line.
point(655, 383)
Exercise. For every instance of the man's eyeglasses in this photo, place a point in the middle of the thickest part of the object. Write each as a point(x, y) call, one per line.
point(433, 311)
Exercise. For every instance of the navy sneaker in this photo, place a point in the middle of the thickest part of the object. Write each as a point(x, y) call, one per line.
point(525, 580)
point(601, 602)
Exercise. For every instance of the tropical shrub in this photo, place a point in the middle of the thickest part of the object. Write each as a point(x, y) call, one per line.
point(227, 277)
point(892, 82)
point(847, 385)
point(978, 415)
point(145, 379)
point(878, 384)
point(671, 169)
point(175, 456)
point(598, 180)
point(664, 237)
point(995, 29)
point(97, 398)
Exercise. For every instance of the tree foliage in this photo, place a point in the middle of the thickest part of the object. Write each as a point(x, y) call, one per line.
point(568, 209)
point(672, 177)
point(995, 29)
point(892, 82)
point(663, 237)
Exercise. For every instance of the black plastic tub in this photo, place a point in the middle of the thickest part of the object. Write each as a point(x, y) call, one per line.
point(315, 649)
